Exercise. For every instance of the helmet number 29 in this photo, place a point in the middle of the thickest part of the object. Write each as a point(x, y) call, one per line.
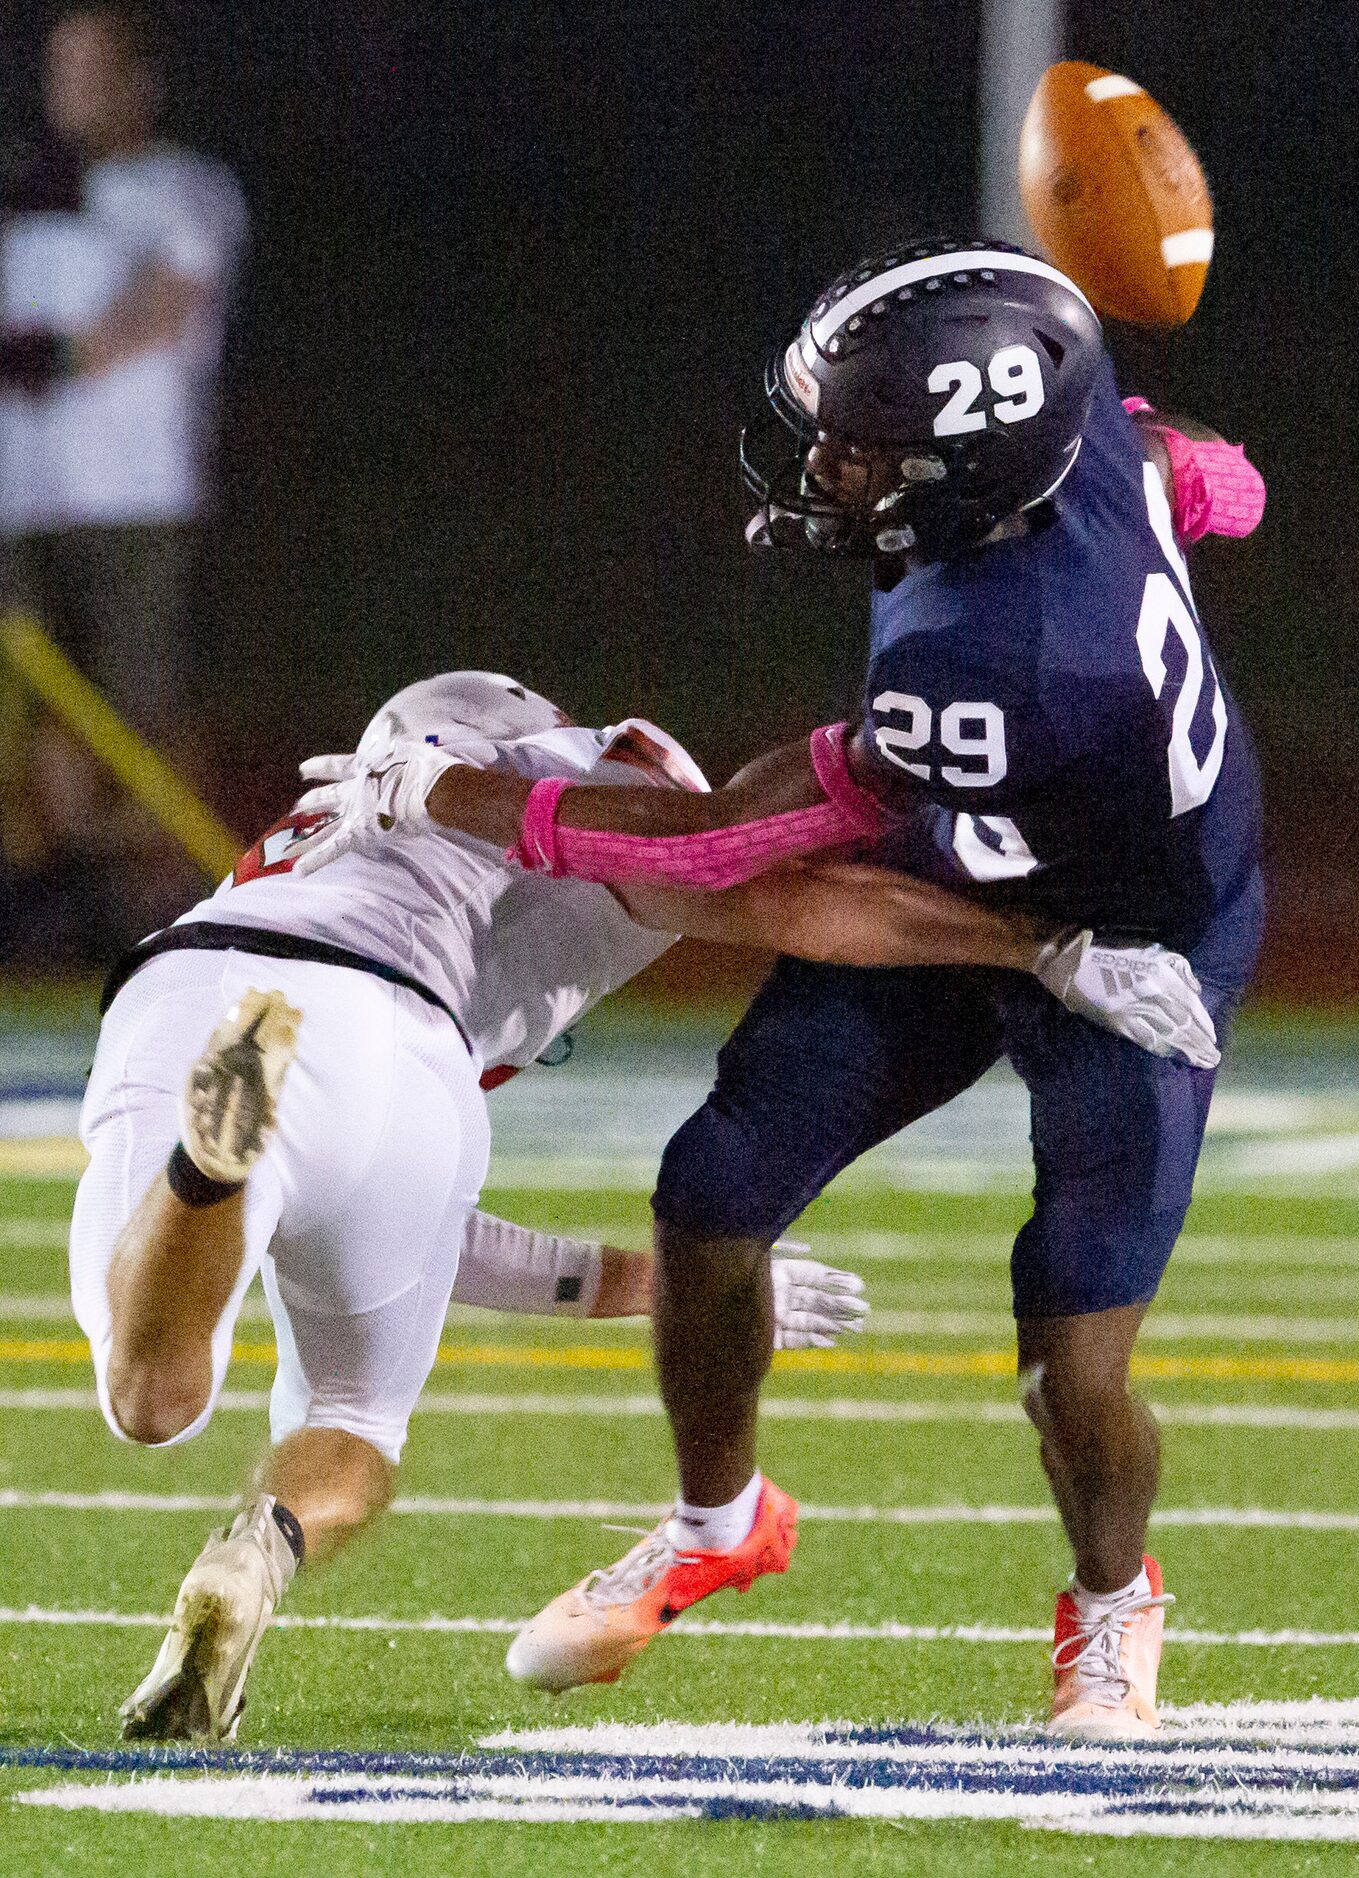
point(1015, 377)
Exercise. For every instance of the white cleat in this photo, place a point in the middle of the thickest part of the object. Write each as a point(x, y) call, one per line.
point(230, 1103)
point(1104, 1669)
point(196, 1688)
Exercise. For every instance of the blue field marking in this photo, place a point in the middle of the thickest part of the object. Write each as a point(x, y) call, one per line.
point(1026, 1763)
point(892, 1735)
point(1279, 1788)
point(712, 1807)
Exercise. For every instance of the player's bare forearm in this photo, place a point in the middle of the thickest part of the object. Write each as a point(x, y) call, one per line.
point(490, 806)
point(624, 1284)
point(843, 913)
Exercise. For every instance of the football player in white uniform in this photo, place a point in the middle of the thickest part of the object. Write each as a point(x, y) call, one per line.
point(332, 1135)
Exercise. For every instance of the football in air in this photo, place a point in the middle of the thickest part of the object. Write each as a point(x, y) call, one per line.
point(1115, 195)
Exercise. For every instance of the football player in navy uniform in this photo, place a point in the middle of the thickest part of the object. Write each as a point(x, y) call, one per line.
point(1044, 726)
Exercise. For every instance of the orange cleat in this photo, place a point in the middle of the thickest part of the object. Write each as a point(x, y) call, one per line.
point(592, 1632)
point(1104, 1667)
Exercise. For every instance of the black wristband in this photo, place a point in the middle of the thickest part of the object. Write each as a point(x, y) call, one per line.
point(291, 1528)
point(188, 1182)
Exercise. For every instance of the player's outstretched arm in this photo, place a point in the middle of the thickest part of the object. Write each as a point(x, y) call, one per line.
point(505, 1267)
point(793, 799)
point(797, 800)
point(448, 788)
point(843, 913)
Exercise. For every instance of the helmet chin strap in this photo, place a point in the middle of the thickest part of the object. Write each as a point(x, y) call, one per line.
point(1062, 475)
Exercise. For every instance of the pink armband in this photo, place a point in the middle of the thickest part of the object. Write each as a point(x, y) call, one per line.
point(717, 858)
point(536, 848)
point(830, 760)
point(1217, 490)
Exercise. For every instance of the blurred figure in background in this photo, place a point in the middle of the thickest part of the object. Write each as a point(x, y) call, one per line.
point(118, 255)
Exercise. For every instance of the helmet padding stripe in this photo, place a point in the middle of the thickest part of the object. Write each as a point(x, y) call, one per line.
point(967, 262)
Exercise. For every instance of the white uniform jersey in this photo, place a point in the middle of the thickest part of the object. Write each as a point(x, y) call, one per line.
point(517, 956)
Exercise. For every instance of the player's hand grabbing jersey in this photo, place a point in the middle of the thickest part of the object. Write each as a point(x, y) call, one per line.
point(1053, 701)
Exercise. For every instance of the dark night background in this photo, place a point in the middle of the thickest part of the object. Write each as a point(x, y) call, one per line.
point(516, 271)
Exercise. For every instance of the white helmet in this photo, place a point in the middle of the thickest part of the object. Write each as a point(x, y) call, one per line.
point(499, 707)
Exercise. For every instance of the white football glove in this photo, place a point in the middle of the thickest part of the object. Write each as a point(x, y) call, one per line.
point(1143, 993)
point(370, 797)
point(814, 1305)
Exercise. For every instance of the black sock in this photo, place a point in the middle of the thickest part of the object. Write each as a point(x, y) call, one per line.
point(290, 1526)
point(190, 1184)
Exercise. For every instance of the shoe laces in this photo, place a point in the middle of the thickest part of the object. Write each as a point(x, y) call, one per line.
point(637, 1571)
point(1095, 1649)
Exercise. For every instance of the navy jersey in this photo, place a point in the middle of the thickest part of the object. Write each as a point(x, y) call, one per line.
point(1053, 704)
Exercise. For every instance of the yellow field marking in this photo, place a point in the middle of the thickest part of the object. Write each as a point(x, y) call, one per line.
point(822, 1362)
point(42, 1157)
point(1247, 1368)
point(44, 1350)
point(900, 1362)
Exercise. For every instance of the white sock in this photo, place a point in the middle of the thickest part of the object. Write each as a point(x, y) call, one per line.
point(715, 1528)
point(1094, 1604)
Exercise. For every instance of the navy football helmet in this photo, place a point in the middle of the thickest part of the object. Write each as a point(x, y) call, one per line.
point(953, 378)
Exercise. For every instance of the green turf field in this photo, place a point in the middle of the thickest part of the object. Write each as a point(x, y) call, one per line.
point(921, 1590)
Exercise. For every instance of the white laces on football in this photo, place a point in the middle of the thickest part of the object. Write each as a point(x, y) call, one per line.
point(1095, 1651)
point(636, 1572)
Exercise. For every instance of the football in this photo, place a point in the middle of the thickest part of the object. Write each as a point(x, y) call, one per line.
point(1116, 195)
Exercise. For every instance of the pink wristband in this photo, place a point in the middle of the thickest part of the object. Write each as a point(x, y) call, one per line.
point(536, 848)
point(830, 760)
point(1218, 491)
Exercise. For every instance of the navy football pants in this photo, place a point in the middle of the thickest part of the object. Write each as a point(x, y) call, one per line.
point(830, 1060)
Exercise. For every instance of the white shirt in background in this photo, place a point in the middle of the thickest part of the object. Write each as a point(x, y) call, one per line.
point(134, 444)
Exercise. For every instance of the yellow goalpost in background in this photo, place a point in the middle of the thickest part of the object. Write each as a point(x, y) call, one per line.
point(143, 772)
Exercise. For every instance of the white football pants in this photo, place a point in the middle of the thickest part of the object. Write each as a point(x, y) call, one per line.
point(354, 1215)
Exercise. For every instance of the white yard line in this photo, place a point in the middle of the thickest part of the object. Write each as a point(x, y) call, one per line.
point(577, 1406)
point(1271, 1249)
point(54, 1307)
point(1317, 1721)
point(988, 1160)
point(34, 1615)
point(601, 1798)
point(882, 1246)
point(429, 1506)
point(33, 1235)
point(1160, 1326)
point(1206, 1734)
